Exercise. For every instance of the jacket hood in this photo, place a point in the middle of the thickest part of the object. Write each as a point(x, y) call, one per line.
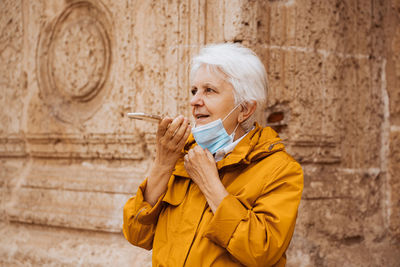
point(257, 144)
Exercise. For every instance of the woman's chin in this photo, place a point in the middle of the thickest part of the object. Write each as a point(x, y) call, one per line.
point(202, 121)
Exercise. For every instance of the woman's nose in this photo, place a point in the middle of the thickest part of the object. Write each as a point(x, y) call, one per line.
point(196, 100)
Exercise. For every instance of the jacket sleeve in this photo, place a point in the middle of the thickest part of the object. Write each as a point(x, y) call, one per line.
point(259, 236)
point(140, 219)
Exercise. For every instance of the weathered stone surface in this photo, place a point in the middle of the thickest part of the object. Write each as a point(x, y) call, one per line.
point(81, 196)
point(393, 186)
point(13, 84)
point(70, 158)
point(39, 246)
point(392, 117)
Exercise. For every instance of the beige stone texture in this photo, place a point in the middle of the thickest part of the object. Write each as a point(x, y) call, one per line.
point(70, 158)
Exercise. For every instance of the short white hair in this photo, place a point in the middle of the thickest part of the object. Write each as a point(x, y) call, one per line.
point(243, 70)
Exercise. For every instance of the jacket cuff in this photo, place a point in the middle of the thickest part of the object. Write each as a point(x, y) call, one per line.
point(227, 217)
point(145, 213)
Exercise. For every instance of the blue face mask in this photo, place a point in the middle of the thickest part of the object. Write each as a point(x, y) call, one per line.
point(213, 136)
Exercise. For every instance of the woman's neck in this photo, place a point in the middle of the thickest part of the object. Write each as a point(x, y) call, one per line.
point(239, 133)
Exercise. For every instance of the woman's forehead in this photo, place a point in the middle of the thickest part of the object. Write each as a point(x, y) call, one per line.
point(208, 74)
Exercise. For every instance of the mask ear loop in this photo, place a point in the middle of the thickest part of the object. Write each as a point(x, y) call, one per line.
point(234, 131)
point(232, 111)
point(237, 125)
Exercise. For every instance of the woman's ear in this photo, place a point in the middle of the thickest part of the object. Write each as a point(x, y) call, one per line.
point(247, 109)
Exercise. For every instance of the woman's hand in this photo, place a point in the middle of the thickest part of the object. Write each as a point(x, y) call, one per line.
point(171, 138)
point(201, 167)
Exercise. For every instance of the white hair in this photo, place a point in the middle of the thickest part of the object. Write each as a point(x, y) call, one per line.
point(243, 70)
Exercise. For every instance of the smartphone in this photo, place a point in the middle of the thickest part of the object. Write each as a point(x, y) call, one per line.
point(144, 116)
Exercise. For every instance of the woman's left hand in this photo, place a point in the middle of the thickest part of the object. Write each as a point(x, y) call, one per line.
point(201, 167)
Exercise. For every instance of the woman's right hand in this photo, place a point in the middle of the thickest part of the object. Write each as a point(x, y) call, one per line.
point(171, 138)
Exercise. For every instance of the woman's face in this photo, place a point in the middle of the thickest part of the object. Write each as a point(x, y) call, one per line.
point(213, 99)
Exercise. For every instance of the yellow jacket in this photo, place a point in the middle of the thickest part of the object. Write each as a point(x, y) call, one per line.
point(252, 226)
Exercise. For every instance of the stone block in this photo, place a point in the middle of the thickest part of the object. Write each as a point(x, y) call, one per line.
point(81, 196)
point(214, 21)
point(359, 119)
point(38, 246)
point(393, 189)
point(13, 79)
point(392, 71)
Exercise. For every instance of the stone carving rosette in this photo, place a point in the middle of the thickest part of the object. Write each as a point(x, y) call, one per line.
point(74, 61)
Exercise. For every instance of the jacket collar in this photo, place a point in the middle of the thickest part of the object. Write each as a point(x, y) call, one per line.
point(257, 144)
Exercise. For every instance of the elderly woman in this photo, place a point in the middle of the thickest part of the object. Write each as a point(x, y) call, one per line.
point(225, 192)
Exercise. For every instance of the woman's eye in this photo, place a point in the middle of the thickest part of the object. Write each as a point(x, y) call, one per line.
point(194, 91)
point(209, 90)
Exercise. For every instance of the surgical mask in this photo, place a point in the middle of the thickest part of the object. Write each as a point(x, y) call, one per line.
point(213, 136)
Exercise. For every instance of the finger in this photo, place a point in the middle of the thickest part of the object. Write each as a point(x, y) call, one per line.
point(175, 124)
point(185, 137)
point(198, 149)
point(209, 155)
point(190, 154)
point(197, 154)
point(186, 162)
point(181, 131)
point(163, 126)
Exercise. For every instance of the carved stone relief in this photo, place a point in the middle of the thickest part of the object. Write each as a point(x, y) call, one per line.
point(74, 61)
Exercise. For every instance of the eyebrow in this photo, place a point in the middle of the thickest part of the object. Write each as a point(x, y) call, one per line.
point(205, 84)
point(210, 84)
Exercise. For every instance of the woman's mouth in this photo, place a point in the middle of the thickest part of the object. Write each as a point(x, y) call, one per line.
point(201, 116)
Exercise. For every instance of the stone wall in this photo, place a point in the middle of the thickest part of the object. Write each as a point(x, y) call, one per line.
point(70, 158)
